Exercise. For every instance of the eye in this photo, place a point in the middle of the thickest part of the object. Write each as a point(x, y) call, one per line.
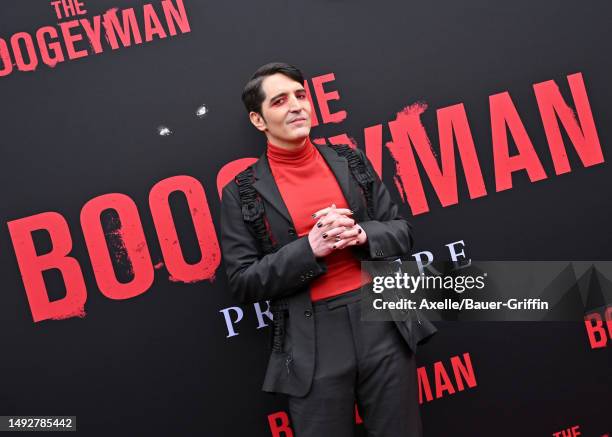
point(277, 102)
point(301, 96)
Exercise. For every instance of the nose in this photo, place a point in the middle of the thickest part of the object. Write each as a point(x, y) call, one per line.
point(294, 104)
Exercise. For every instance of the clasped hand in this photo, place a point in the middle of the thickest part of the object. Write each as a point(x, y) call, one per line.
point(334, 230)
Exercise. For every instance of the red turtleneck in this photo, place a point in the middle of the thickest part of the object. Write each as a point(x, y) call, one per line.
point(307, 184)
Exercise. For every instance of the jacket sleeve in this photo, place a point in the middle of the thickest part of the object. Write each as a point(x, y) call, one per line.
point(253, 277)
point(389, 234)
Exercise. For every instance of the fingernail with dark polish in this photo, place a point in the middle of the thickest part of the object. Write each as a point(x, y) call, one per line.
point(314, 216)
point(359, 231)
point(337, 238)
point(319, 224)
point(334, 246)
point(324, 235)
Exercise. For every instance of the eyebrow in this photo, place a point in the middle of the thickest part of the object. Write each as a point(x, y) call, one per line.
point(284, 94)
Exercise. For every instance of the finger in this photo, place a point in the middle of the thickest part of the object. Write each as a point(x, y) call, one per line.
point(334, 220)
point(332, 233)
point(344, 221)
point(326, 220)
point(324, 211)
point(329, 219)
point(321, 212)
point(348, 233)
point(341, 233)
point(344, 211)
point(343, 243)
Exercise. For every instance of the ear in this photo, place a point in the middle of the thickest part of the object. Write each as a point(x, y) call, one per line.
point(257, 120)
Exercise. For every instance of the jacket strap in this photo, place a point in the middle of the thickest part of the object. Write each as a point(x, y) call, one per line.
point(254, 216)
point(253, 210)
point(361, 173)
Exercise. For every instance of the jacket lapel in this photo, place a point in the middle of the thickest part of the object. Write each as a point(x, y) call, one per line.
point(266, 185)
point(267, 188)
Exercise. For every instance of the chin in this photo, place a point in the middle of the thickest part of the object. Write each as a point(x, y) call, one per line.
point(301, 133)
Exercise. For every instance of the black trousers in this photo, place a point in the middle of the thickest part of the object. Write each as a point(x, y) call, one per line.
point(367, 363)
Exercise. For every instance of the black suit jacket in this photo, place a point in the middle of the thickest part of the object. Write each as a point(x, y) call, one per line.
point(285, 274)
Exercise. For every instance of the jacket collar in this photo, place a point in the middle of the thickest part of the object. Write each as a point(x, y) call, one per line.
point(268, 189)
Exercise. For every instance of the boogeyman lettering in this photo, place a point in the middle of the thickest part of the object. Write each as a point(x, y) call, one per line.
point(68, 40)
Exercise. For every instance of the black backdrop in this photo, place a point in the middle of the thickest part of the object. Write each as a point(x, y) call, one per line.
point(162, 363)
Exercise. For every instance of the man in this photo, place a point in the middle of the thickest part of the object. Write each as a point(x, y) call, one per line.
point(305, 257)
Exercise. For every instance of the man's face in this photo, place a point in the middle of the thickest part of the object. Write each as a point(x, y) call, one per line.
point(286, 110)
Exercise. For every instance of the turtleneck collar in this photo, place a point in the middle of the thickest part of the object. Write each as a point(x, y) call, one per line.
point(297, 156)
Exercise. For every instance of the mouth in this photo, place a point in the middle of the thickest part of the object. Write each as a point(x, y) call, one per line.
point(297, 120)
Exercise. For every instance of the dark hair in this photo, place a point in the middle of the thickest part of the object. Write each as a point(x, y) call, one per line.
point(252, 94)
